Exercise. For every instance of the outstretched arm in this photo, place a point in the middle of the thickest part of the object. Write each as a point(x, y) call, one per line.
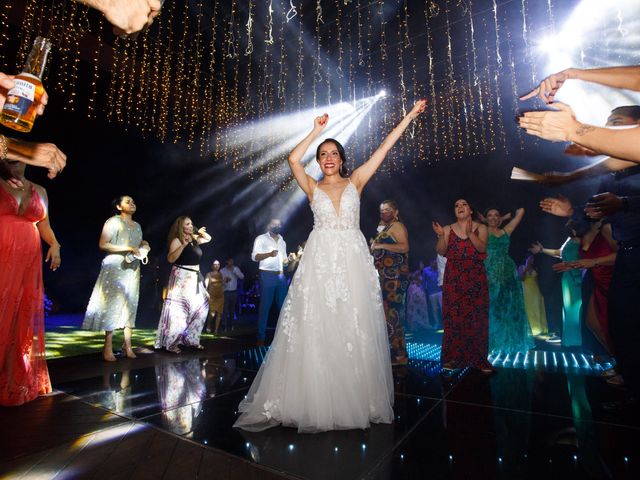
point(364, 172)
point(127, 16)
point(538, 248)
point(599, 168)
point(561, 126)
point(627, 77)
point(306, 182)
point(515, 221)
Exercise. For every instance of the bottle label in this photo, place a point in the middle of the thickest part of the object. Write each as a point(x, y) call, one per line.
point(20, 97)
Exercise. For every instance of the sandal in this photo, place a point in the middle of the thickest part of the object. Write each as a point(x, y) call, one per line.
point(175, 350)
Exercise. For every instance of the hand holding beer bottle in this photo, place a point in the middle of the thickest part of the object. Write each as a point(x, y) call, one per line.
point(27, 97)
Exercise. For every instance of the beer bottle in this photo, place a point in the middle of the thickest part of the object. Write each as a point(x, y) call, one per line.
point(20, 108)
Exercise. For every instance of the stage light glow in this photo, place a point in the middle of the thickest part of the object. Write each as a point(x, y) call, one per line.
point(596, 34)
point(382, 93)
point(265, 144)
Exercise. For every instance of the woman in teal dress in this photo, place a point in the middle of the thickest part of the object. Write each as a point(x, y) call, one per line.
point(509, 330)
point(571, 285)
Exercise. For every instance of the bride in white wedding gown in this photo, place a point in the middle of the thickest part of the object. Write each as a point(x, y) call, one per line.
point(329, 364)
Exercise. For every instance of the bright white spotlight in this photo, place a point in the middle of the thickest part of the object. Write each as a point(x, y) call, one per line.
point(381, 93)
point(579, 43)
point(547, 44)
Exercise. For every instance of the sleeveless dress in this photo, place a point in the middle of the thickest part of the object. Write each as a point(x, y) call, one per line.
point(509, 330)
point(465, 306)
point(215, 288)
point(328, 367)
point(186, 307)
point(534, 303)
point(393, 269)
point(23, 367)
point(571, 296)
point(599, 279)
point(114, 300)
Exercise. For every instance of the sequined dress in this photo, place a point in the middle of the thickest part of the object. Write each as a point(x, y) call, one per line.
point(328, 367)
point(114, 300)
point(509, 330)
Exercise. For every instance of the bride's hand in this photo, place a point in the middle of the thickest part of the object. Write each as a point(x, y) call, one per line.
point(320, 122)
point(418, 108)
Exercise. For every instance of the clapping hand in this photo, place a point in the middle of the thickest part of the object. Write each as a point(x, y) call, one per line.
point(437, 228)
point(536, 248)
point(553, 125)
point(561, 206)
point(468, 227)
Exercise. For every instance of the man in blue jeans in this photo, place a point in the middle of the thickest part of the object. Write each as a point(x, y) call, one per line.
point(270, 250)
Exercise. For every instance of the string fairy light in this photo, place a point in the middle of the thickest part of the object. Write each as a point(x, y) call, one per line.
point(514, 89)
point(91, 104)
point(269, 39)
point(432, 84)
point(5, 11)
point(282, 78)
point(180, 85)
point(300, 63)
point(339, 70)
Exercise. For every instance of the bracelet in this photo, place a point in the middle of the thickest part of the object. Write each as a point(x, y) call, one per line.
point(4, 148)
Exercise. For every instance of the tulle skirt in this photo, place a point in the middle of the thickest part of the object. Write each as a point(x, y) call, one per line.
point(328, 367)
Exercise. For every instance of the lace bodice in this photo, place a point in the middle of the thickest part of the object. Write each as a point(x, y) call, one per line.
point(325, 216)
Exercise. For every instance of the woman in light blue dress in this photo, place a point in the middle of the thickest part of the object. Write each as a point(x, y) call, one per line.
point(114, 300)
point(569, 252)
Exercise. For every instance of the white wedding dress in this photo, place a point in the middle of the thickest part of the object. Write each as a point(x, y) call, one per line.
point(329, 365)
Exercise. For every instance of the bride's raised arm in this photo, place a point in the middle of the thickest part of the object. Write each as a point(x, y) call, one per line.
point(364, 172)
point(305, 181)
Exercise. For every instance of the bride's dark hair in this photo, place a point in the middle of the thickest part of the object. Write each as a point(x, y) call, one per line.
point(343, 168)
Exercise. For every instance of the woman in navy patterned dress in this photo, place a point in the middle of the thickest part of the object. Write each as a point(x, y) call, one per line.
point(465, 293)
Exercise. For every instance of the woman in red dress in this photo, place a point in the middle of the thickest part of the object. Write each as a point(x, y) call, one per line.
point(23, 222)
point(598, 251)
point(465, 292)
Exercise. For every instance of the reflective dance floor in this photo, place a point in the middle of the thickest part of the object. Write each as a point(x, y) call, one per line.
point(167, 416)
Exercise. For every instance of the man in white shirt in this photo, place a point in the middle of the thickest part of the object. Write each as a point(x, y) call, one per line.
point(230, 276)
point(271, 251)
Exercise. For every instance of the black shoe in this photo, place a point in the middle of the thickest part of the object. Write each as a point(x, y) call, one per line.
point(621, 406)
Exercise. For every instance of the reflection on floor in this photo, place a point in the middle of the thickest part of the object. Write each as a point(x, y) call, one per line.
point(167, 416)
